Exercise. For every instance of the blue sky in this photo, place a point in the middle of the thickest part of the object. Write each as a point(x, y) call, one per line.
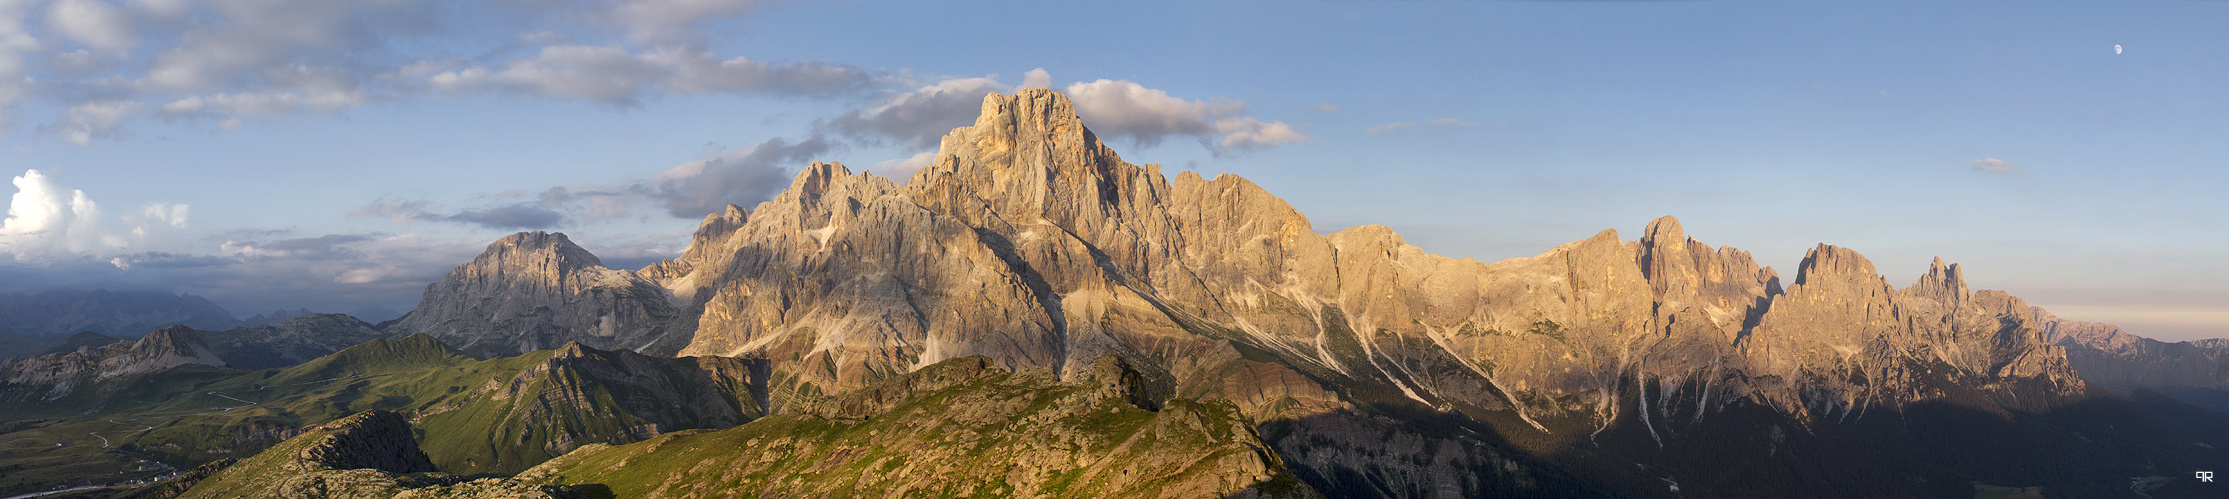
point(336, 154)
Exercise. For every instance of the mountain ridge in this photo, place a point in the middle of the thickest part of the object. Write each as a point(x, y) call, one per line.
point(1030, 243)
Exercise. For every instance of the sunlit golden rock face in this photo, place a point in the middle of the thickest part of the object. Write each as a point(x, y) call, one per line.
point(1032, 243)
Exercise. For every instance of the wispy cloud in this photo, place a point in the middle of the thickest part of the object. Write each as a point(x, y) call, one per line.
point(515, 216)
point(1992, 165)
point(1388, 127)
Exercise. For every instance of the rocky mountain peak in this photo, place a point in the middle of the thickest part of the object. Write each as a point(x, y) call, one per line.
point(1665, 258)
point(1942, 283)
point(1030, 111)
point(1834, 263)
point(537, 290)
point(550, 251)
point(54, 376)
point(1027, 157)
point(719, 225)
point(380, 440)
point(1664, 230)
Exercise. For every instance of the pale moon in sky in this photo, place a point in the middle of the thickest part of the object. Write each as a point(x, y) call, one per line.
point(2116, 49)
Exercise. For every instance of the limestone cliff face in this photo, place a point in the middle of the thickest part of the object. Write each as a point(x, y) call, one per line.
point(1029, 242)
point(536, 291)
point(51, 377)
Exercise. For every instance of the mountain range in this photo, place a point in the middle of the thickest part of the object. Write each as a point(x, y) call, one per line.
point(1029, 281)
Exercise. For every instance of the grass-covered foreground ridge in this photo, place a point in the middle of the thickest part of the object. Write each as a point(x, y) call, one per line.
point(471, 416)
point(371, 455)
point(959, 428)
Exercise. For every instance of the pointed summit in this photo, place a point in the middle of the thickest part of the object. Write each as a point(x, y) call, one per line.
point(1029, 156)
point(553, 247)
point(1664, 230)
point(536, 290)
point(1828, 261)
point(1942, 283)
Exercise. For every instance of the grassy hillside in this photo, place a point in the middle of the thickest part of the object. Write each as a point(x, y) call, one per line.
point(474, 416)
point(960, 428)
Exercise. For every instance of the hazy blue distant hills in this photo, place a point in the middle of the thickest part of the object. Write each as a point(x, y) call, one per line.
point(115, 313)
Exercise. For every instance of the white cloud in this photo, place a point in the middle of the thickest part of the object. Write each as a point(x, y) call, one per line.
point(1328, 108)
point(745, 178)
point(1250, 133)
point(1117, 108)
point(47, 221)
point(1037, 78)
point(1992, 165)
point(93, 23)
point(93, 120)
point(902, 169)
point(158, 227)
point(918, 118)
point(15, 79)
point(224, 60)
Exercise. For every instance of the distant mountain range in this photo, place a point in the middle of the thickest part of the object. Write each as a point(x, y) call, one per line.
point(1029, 282)
point(61, 312)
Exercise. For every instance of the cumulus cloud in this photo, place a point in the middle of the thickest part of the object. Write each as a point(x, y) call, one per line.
point(1992, 165)
point(1117, 108)
point(55, 237)
point(46, 220)
point(744, 178)
point(1146, 116)
point(1037, 78)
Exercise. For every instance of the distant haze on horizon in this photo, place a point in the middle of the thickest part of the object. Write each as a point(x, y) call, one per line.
point(333, 155)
